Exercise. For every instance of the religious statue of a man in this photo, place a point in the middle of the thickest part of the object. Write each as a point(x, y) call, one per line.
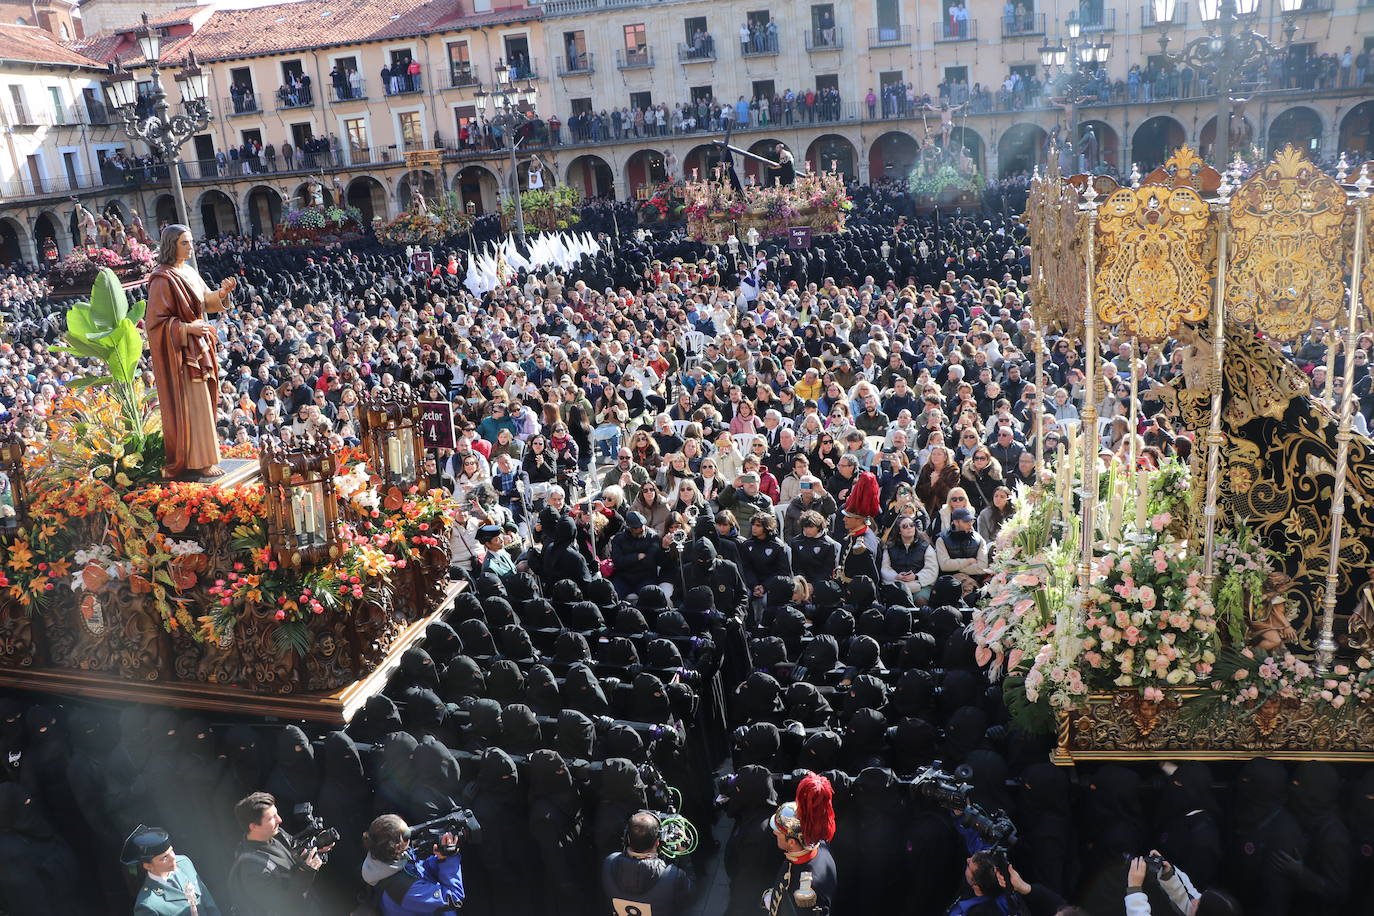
point(417, 201)
point(185, 363)
point(86, 227)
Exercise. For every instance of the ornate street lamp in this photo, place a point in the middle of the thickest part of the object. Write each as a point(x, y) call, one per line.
point(1076, 65)
point(1229, 45)
point(163, 132)
point(508, 100)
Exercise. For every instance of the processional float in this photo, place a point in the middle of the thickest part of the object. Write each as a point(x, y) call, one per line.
point(1248, 630)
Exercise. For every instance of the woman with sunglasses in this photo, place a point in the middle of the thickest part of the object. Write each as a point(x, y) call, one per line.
point(710, 482)
point(909, 560)
point(941, 521)
point(981, 477)
point(825, 456)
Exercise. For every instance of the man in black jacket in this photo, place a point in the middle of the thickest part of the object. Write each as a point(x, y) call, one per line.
point(638, 880)
point(636, 552)
point(267, 877)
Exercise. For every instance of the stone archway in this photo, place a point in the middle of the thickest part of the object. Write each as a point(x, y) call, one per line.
point(645, 169)
point(971, 142)
point(832, 151)
point(427, 182)
point(264, 210)
point(1020, 149)
point(768, 149)
point(1300, 126)
point(703, 160)
point(478, 186)
point(47, 226)
point(592, 176)
point(1108, 142)
point(1242, 137)
point(218, 215)
point(1357, 131)
point(1155, 141)
point(164, 212)
point(13, 239)
point(301, 196)
point(893, 155)
point(367, 194)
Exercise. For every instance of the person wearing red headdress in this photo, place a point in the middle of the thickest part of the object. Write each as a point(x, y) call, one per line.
point(807, 880)
point(859, 553)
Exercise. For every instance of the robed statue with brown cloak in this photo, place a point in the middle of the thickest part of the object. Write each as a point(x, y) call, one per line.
point(185, 362)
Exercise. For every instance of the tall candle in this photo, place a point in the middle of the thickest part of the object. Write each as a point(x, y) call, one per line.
point(393, 456)
point(1118, 504)
point(1065, 484)
point(1142, 499)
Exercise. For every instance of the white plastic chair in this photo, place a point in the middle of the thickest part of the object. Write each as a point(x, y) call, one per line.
point(743, 442)
point(680, 428)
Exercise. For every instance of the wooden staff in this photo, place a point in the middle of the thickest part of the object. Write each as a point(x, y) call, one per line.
point(1090, 444)
point(1326, 640)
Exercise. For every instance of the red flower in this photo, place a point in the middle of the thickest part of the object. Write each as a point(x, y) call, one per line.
point(281, 615)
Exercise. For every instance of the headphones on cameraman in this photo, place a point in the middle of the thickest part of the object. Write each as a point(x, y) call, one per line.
point(625, 834)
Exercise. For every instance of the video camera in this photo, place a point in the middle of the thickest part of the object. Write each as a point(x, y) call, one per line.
point(952, 794)
point(314, 836)
point(462, 823)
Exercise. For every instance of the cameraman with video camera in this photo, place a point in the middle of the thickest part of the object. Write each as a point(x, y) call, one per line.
point(272, 874)
point(639, 880)
point(997, 890)
point(401, 881)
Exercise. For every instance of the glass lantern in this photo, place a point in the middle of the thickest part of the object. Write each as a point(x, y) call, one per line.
point(302, 508)
point(13, 498)
point(392, 435)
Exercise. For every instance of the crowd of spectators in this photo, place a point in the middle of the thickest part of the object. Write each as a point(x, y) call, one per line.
point(653, 463)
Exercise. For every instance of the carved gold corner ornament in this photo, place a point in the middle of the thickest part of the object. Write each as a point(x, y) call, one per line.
point(1185, 169)
point(1285, 266)
point(1124, 726)
point(1156, 249)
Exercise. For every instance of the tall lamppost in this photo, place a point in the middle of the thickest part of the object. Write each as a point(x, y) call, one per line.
point(163, 132)
point(508, 100)
point(1073, 69)
point(1229, 45)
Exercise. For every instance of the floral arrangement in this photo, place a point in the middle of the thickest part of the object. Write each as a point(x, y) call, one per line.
point(819, 201)
point(79, 268)
point(945, 178)
point(441, 219)
point(664, 204)
point(547, 209)
point(307, 225)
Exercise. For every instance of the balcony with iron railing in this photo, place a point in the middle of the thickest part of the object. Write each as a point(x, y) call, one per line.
point(245, 104)
point(1147, 15)
point(1023, 25)
point(761, 45)
point(1098, 20)
point(701, 53)
point(301, 97)
point(641, 58)
point(1316, 6)
point(404, 84)
point(348, 91)
point(956, 30)
point(889, 37)
point(462, 76)
point(580, 65)
point(831, 39)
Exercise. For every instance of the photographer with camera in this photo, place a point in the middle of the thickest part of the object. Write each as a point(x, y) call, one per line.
point(997, 890)
point(1185, 898)
point(273, 873)
point(639, 880)
point(401, 881)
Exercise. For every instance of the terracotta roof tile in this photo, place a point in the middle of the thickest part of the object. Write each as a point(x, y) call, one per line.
point(29, 44)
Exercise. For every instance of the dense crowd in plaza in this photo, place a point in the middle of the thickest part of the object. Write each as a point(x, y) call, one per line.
point(716, 509)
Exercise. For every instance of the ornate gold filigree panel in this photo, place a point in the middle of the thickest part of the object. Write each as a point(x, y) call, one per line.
point(1123, 726)
point(1285, 267)
point(1156, 247)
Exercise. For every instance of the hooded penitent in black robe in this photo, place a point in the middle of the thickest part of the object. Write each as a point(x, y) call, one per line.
point(556, 826)
point(498, 872)
point(41, 874)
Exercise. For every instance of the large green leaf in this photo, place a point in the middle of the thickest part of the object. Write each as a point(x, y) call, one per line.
point(79, 320)
point(109, 305)
point(89, 380)
point(126, 347)
point(81, 347)
point(137, 310)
